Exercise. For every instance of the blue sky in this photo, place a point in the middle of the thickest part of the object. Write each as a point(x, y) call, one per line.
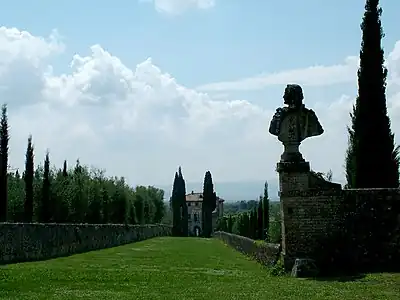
point(237, 38)
point(215, 50)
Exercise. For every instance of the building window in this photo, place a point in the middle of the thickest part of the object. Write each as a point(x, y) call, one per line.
point(188, 204)
point(196, 204)
point(189, 216)
point(196, 217)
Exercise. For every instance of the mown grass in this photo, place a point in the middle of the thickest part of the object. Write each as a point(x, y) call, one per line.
point(178, 269)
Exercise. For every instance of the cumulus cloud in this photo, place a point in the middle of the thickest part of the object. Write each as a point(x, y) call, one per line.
point(139, 122)
point(176, 7)
point(311, 76)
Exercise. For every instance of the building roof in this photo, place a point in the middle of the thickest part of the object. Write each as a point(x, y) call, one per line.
point(198, 197)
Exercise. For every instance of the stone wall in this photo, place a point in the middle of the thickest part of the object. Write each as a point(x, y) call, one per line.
point(21, 242)
point(357, 228)
point(306, 219)
point(371, 228)
point(264, 253)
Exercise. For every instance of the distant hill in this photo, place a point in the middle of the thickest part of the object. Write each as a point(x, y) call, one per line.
point(233, 191)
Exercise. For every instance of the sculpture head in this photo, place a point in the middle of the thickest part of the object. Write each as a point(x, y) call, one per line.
point(293, 95)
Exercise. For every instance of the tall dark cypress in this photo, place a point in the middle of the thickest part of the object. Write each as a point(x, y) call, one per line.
point(266, 212)
point(45, 209)
point(183, 204)
point(4, 138)
point(372, 159)
point(175, 207)
point(65, 170)
point(28, 178)
point(260, 220)
point(209, 204)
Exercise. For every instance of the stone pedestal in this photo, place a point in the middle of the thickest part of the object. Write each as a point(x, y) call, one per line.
point(293, 178)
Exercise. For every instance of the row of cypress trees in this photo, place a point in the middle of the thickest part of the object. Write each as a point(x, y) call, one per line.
point(180, 210)
point(71, 195)
point(253, 224)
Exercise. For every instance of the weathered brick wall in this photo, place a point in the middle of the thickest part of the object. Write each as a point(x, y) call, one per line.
point(266, 254)
point(340, 228)
point(371, 226)
point(21, 242)
point(307, 216)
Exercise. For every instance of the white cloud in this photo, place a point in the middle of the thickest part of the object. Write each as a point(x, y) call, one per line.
point(141, 123)
point(135, 122)
point(317, 75)
point(311, 76)
point(176, 7)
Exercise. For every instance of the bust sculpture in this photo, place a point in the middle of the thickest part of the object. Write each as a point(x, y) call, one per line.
point(294, 123)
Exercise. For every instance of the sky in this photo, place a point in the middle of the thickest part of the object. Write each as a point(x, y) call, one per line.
point(139, 88)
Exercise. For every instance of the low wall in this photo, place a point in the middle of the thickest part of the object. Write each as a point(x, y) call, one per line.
point(20, 242)
point(355, 229)
point(264, 253)
point(371, 225)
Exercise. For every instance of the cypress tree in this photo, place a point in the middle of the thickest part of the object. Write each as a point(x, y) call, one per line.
point(183, 205)
point(65, 170)
point(175, 207)
point(4, 138)
point(28, 178)
point(253, 223)
point(45, 209)
point(372, 158)
point(260, 220)
point(209, 204)
point(266, 212)
point(230, 224)
point(246, 224)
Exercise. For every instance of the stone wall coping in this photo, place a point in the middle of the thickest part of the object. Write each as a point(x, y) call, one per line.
point(336, 192)
point(85, 224)
point(374, 190)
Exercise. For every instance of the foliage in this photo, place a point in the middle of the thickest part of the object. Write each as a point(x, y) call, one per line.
point(174, 203)
point(239, 206)
point(329, 175)
point(372, 158)
point(183, 204)
point(278, 269)
point(179, 206)
point(209, 204)
point(83, 195)
point(28, 180)
point(266, 213)
point(77, 195)
point(261, 222)
point(4, 139)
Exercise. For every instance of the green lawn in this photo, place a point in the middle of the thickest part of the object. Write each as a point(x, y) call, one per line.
point(176, 269)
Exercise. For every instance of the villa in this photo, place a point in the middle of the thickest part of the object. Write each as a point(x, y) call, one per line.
point(194, 203)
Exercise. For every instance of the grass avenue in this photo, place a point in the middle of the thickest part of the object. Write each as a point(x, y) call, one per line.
point(175, 268)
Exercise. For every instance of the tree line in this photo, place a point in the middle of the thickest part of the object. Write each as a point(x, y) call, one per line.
point(74, 194)
point(254, 223)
